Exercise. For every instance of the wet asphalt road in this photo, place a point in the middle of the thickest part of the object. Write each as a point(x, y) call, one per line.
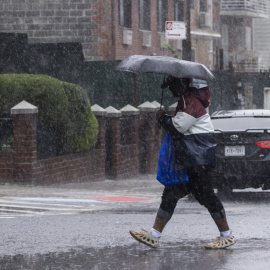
point(98, 239)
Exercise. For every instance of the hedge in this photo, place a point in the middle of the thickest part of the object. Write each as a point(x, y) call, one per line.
point(64, 110)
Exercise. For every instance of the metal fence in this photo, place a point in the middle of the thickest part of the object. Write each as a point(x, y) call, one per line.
point(251, 61)
point(47, 140)
point(6, 135)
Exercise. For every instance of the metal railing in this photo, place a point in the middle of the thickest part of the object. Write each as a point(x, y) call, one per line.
point(248, 8)
point(6, 136)
point(251, 61)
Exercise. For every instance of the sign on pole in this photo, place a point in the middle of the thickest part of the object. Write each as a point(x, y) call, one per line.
point(175, 30)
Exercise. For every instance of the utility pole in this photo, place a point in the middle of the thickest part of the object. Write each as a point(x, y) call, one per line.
point(186, 55)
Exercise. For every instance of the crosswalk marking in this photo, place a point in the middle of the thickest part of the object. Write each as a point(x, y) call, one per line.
point(15, 207)
point(40, 208)
point(6, 202)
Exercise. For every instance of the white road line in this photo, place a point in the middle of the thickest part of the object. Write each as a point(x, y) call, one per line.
point(6, 202)
point(39, 199)
point(11, 207)
point(40, 208)
point(18, 211)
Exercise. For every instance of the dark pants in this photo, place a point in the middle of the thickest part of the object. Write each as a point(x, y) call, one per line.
point(200, 186)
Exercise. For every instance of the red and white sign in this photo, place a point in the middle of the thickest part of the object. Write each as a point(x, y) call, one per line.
point(175, 30)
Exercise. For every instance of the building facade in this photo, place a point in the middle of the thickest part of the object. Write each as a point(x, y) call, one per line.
point(243, 35)
point(221, 31)
point(111, 29)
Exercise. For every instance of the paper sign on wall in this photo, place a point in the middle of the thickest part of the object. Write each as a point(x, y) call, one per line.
point(175, 30)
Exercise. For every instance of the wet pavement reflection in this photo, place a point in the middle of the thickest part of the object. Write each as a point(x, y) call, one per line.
point(185, 255)
point(70, 239)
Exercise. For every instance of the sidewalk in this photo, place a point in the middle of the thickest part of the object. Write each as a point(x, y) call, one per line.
point(140, 188)
point(143, 186)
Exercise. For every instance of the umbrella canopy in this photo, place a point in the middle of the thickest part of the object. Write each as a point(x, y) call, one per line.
point(165, 65)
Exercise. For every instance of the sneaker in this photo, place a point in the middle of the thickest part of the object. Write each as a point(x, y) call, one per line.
point(146, 238)
point(221, 242)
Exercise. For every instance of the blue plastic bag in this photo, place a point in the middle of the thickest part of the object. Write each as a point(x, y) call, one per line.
point(166, 174)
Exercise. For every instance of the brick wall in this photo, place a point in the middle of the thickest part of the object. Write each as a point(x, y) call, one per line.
point(122, 51)
point(70, 168)
point(26, 168)
point(6, 166)
point(104, 32)
point(122, 142)
point(128, 144)
point(93, 24)
point(57, 21)
point(150, 138)
point(79, 167)
point(25, 146)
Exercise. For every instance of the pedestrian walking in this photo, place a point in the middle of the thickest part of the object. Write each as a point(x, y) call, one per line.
point(194, 149)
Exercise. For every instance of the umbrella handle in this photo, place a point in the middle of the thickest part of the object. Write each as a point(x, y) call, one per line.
point(159, 126)
point(161, 98)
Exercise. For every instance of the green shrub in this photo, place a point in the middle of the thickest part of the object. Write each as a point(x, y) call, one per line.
point(63, 109)
point(81, 125)
point(40, 90)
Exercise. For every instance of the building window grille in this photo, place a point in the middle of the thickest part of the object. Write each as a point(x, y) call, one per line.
point(178, 10)
point(125, 13)
point(161, 14)
point(203, 5)
point(144, 15)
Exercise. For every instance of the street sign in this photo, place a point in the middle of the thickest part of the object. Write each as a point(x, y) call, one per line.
point(175, 30)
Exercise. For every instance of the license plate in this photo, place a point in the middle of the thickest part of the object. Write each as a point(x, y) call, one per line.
point(235, 151)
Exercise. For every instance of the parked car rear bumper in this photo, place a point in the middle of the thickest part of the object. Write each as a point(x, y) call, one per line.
point(241, 173)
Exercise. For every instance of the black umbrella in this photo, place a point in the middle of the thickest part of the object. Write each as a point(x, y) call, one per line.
point(165, 65)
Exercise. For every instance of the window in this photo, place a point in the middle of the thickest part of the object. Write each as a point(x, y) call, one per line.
point(240, 41)
point(161, 14)
point(203, 5)
point(144, 15)
point(178, 10)
point(125, 13)
point(248, 38)
point(193, 55)
point(225, 44)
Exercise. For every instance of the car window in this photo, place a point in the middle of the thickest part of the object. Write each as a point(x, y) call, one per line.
point(241, 123)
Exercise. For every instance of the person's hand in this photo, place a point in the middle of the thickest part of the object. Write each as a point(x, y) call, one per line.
point(159, 113)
